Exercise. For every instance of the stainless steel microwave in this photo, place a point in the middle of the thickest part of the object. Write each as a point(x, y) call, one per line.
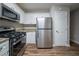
point(8, 13)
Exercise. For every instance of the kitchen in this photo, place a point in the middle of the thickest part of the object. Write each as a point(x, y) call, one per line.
point(22, 27)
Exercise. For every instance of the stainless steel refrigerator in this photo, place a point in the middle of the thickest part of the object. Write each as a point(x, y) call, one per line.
point(44, 32)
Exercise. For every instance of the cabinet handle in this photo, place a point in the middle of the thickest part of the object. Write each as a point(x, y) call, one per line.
point(0, 48)
point(7, 52)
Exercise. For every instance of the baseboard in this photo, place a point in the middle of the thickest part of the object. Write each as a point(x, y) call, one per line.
point(30, 43)
point(67, 45)
point(75, 41)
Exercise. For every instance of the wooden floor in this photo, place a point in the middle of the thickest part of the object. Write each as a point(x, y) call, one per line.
point(31, 50)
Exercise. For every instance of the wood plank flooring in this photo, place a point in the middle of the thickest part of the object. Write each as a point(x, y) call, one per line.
point(31, 50)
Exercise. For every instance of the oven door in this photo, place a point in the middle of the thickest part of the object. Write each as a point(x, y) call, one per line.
point(17, 47)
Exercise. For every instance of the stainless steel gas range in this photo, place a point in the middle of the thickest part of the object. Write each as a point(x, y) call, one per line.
point(17, 41)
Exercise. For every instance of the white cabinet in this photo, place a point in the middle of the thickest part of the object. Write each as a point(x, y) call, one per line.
point(4, 48)
point(31, 37)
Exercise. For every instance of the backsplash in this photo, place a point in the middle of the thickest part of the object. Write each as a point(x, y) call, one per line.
point(4, 22)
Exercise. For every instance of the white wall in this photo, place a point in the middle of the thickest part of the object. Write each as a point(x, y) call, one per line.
point(75, 26)
point(60, 15)
point(17, 9)
point(30, 18)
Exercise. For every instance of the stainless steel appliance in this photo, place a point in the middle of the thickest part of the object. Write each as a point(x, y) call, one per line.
point(44, 32)
point(8, 13)
point(17, 42)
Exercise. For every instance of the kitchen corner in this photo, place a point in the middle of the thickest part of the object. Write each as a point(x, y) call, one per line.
point(12, 42)
point(9, 29)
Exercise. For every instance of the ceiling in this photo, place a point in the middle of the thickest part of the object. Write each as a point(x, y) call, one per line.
point(44, 7)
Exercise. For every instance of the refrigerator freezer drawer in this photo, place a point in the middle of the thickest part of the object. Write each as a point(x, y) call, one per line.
point(44, 39)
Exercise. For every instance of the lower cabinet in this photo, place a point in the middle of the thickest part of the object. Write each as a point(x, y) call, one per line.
point(4, 48)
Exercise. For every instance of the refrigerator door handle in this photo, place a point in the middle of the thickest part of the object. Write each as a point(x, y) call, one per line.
point(37, 35)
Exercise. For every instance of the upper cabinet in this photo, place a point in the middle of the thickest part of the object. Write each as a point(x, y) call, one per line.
point(17, 9)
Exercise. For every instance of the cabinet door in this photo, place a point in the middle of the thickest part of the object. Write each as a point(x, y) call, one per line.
point(4, 47)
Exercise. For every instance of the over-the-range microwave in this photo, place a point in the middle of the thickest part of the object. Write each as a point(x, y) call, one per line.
point(8, 13)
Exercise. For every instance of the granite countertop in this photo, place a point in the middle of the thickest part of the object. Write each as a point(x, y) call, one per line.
point(3, 39)
point(26, 29)
point(6, 29)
